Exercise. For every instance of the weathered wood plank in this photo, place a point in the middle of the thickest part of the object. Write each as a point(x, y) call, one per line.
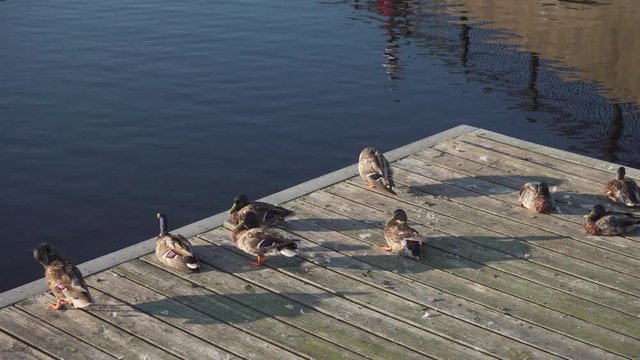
point(570, 182)
point(585, 184)
point(609, 243)
point(600, 176)
point(92, 330)
point(351, 258)
point(230, 260)
point(387, 302)
point(551, 152)
point(47, 338)
point(10, 348)
point(159, 333)
point(501, 200)
point(514, 179)
point(588, 248)
point(524, 248)
point(273, 320)
point(459, 286)
point(496, 176)
point(369, 344)
point(187, 319)
point(526, 289)
point(575, 190)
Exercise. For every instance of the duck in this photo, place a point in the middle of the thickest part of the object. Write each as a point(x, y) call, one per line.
point(63, 279)
point(609, 223)
point(267, 214)
point(262, 241)
point(375, 170)
point(622, 190)
point(536, 197)
point(401, 238)
point(174, 250)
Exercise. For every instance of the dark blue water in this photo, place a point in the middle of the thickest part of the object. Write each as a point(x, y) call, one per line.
point(112, 111)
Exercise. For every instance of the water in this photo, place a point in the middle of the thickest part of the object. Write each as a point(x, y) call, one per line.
point(111, 112)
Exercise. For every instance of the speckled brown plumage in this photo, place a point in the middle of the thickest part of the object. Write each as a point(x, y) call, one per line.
point(622, 190)
point(174, 250)
point(401, 238)
point(262, 241)
point(375, 171)
point(537, 197)
point(267, 214)
point(63, 279)
point(609, 223)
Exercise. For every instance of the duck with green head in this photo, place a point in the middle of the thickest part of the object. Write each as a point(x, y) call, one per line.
point(63, 279)
point(174, 250)
point(375, 171)
point(267, 214)
point(536, 197)
point(262, 241)
point(622, 190)
point(401, 238)
point(609, 223)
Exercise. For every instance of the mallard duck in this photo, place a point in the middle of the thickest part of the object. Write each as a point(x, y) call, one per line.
point(401, 238)
point(609, 223)
point(267, 213)
point(374, 169)
point(622, 190)
point(262, 241)
point(63, 279)
point(174, 250)
point(536, 197)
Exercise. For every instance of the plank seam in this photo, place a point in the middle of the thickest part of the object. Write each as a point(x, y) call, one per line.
point(36, 319)
point(486, 306)
point(267, 339)
point(530, 243)
point(591, 244)
point(588, 321)
point(320, 287)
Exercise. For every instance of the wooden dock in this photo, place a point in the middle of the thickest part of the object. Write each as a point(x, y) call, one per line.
point(495, 281)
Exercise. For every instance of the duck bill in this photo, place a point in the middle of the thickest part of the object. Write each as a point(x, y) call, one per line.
point(234, 208)
point(240, 225)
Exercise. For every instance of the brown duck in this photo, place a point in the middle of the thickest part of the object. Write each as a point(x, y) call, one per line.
point(262, 241)
point(267, 214)
point(623, 190)
point(537, 197)
point(401, 238)
point(375, 170)
point(174, 250)
point(63, 279)
point(609, 223)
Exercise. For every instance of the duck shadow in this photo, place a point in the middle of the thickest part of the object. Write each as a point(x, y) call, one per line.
point(440, 252)
point(235, 308)
point(479, 185)
point(333, 224)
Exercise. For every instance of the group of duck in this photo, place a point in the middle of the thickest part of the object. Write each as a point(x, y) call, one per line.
point(256, 229)
point(599, 221)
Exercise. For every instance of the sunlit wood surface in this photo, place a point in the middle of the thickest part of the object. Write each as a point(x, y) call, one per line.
point(495, 281)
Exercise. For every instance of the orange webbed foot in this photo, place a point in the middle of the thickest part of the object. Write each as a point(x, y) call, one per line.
point(382, 247)
point(57, 306)
point(259, 261)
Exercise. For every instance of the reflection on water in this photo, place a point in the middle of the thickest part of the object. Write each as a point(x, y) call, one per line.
point(598, 40)
point(576, 60)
